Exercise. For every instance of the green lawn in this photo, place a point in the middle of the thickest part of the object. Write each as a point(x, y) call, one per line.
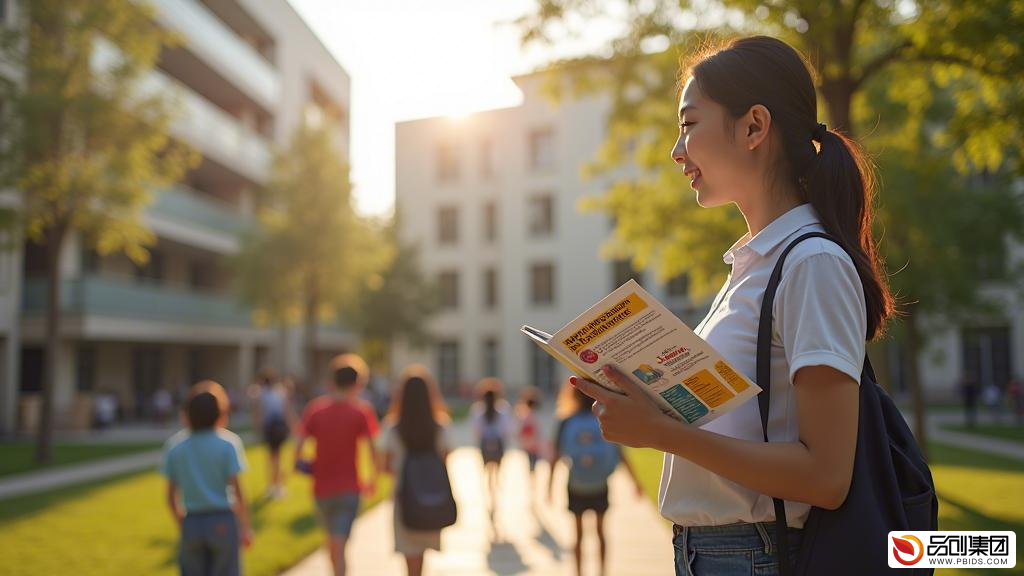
point(18, 457)
point(976, 491)
point(122, 526)
point(1008, 432)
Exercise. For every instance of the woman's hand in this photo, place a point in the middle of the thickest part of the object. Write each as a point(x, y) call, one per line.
point(632, 418)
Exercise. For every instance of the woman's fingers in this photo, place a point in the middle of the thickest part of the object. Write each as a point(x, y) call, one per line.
point(628, 386)
point(591, 388)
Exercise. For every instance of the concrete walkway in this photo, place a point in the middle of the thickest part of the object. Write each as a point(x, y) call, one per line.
point(527, 536)
point(938, 421)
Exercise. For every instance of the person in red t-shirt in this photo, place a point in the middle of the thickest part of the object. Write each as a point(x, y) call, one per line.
point(337, 421)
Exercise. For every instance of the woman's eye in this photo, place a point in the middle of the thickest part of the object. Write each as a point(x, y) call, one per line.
point(684, 125)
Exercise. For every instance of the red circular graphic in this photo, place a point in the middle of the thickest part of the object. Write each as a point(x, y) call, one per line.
point(588, 356)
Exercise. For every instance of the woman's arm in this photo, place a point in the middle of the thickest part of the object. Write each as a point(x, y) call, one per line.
point(816, 470)
point(241, 512)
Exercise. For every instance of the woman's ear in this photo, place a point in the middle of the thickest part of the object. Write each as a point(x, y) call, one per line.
point(756, 123)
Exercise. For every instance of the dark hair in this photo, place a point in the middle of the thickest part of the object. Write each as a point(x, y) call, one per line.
point(836, 178)
point(345, 377)
point(267, 377)
point(203, 411)
point(416, 425)
point(490, 405)
point(347, 370)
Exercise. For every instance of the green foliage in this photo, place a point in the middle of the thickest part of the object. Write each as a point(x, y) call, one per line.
point(83, 140)
point(311, 248)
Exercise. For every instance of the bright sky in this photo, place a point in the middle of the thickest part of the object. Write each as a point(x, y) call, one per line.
point(414, 59)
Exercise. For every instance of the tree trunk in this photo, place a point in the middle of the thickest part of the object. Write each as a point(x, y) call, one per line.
point(838, 97)
point(916, 391)
point(44, 435)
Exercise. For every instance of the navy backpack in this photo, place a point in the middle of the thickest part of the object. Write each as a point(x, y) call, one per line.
point(891, 488)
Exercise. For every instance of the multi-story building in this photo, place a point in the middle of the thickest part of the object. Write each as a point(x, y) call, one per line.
point(492, 200)
point(247, 74)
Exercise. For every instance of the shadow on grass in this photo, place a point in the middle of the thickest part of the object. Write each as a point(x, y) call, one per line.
point(946, 455)
point(302, 524)
point(503, 558)
point(20, 506)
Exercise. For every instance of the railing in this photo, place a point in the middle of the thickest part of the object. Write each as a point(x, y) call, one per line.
point(217, 45)
point(122, 298)
point(185, 206)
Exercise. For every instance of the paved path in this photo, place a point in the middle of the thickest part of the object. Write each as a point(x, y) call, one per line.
point(938, 420)
point(529, 536)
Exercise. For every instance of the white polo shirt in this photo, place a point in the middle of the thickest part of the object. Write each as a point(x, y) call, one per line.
point(819, 319)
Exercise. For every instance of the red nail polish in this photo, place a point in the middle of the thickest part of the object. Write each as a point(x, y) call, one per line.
point(572, 380)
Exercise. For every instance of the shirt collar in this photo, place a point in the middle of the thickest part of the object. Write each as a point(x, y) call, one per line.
point(772, 235)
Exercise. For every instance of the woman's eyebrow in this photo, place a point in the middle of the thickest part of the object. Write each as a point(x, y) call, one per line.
point(683, 110)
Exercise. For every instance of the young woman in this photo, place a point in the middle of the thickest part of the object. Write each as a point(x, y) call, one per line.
point(749, 136)
point(417, 420)
point(274, 416)
point(490, 418)
point(531, 436)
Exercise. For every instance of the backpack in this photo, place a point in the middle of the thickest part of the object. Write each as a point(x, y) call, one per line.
point(492, 441)
point(593, 458)
point(425, 492)
point(891, 488)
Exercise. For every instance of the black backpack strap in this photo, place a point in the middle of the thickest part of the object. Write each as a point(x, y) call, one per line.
point(764, 380)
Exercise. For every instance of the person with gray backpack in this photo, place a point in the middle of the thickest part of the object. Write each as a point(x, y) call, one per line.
point(416, 446)
point(591, 460)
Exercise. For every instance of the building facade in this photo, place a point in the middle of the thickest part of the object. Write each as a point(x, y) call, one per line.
point(247, 73)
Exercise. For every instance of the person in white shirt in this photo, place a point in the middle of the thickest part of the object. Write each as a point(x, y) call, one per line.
point(749, 136)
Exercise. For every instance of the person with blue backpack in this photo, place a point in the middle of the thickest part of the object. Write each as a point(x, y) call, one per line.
point(591, 460)
point(416, 446)
point(811, 477)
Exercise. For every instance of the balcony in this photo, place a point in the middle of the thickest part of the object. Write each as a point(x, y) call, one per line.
point(197, 219)
point(217, 134)
point(126, 299)
point(217, 45)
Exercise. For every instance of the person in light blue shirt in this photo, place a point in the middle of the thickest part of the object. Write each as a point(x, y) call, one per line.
point(202, 465)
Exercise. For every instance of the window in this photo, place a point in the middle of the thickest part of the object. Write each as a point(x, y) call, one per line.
point(490, 221)
point(147, 369)
point(200, 275)
point(490, 288)
point(85, 368)
point(196, 365)
point(448, 284)
point(448, 225)
point(542, 149)
point(447, 163)
point(986, 355)
point(622, 272)
point(152, 270)
point(679, 287)
point(542, 283)
point(31, 370)
point(541, 214)
point(448, 365)
point(486, 158)
point(542, 369)
point(491, 357)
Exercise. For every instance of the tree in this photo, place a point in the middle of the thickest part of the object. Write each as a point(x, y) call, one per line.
point(925, 84)
point(84, 142)
point(392, 304)
point(311, 251)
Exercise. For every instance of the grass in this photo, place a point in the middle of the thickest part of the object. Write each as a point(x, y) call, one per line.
point(1009, 432)
point(976, 491)
point(122, 526)
point(19, 457)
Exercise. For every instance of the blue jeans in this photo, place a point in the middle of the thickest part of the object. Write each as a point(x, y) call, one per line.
point(730, 550)
point(338, 512)
point(209, 544)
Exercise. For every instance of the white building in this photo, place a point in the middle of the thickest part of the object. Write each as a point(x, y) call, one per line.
point(491, 200)
point(248, 72)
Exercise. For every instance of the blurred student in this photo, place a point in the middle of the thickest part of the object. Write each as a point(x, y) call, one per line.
point(416, 445)
point(531, 436)
point(591, 460)
point(338, 421)
point(274, 417)
point(202, 464)
point(490, 418)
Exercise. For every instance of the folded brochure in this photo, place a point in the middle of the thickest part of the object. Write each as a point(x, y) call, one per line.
point(630, 329)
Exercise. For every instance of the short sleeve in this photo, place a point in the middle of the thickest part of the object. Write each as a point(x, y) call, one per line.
point(821, 316)
point(443, 443)
point(236, 461)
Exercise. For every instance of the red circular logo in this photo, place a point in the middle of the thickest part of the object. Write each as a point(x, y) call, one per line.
point(588, 356)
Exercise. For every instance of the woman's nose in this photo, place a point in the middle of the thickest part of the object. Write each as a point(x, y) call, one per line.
point(679, 152)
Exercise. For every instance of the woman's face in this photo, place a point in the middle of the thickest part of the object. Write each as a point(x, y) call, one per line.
point(711, 149)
